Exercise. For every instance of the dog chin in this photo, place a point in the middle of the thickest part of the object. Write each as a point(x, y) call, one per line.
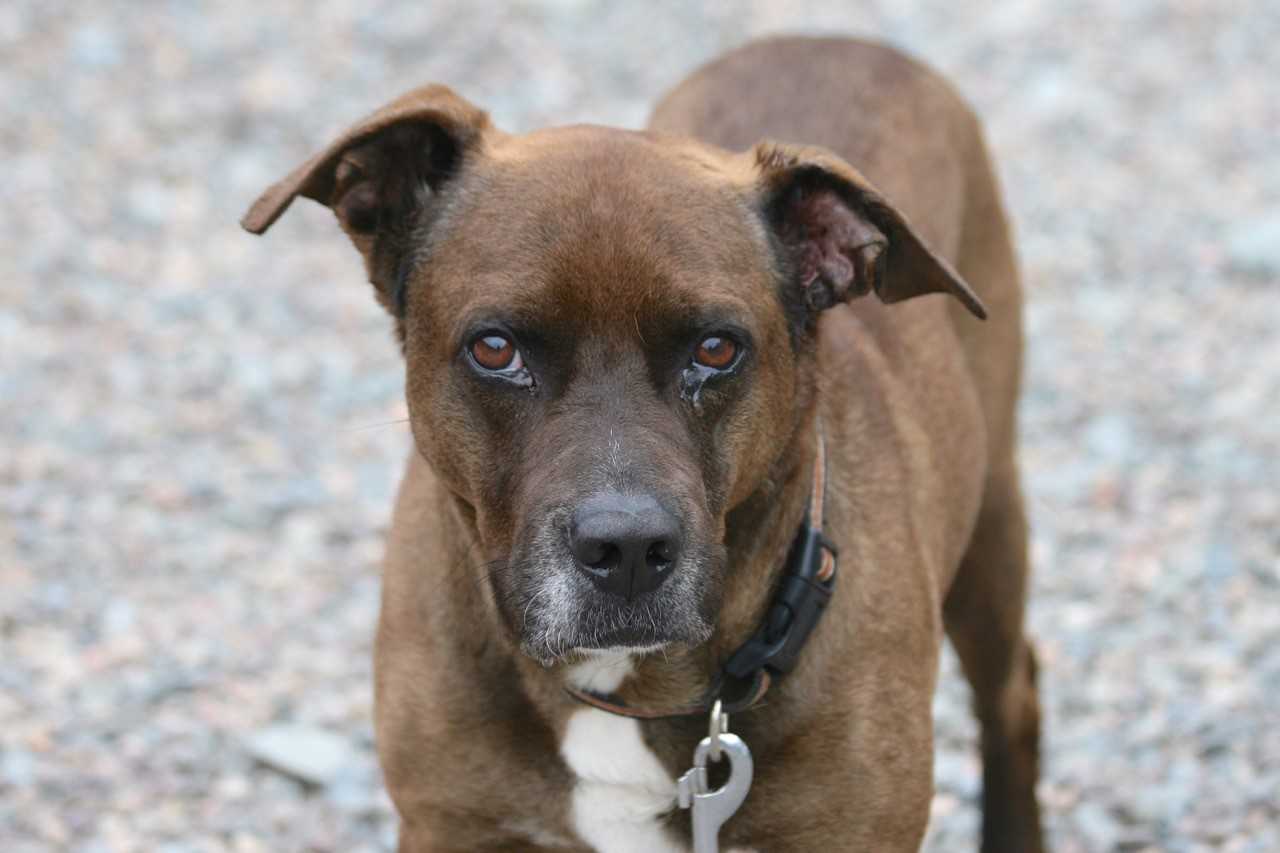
point(549, 647)
point(634, 629)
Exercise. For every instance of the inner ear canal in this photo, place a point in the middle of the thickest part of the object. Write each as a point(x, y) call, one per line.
point(356, 195)
point(381, 189)
point(378, 185)
point(868, 253)
point(838, 250)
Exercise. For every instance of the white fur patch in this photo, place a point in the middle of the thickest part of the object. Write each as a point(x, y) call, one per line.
point(604, 670)
point(539, 835)
point(622, 788)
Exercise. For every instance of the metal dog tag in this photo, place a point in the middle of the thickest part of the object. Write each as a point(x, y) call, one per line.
point(712, 808)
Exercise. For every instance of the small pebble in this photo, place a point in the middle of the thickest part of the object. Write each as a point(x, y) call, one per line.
point(308, 754)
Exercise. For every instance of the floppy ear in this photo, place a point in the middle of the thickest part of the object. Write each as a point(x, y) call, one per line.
point(381, 177)
point(843, 237)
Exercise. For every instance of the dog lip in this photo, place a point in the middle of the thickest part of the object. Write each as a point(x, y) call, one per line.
point(608, 651)
point(604, 647)
point(632, 639)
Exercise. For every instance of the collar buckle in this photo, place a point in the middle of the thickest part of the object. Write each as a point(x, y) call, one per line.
point(796, 608)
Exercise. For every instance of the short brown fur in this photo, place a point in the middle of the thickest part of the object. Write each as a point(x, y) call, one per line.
point(916, 402)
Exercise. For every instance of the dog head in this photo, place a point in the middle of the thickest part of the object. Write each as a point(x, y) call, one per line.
point(609, 340)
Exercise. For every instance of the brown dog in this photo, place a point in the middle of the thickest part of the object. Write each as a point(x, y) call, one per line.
point(625, 351)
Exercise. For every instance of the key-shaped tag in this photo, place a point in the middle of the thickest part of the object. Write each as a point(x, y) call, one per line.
point(712, 808)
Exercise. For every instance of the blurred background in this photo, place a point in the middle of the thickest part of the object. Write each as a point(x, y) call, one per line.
point(201, 430)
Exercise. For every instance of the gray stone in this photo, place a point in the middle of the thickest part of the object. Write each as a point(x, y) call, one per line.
point(17, 768)
point(1097, 828)
point(96, 47)
point(1110, 437)
point(1253, 247)
point(306, 753)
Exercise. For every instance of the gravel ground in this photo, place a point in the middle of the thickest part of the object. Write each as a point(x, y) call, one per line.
point(200, 429)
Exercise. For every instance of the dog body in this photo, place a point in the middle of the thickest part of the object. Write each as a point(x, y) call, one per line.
point(616, 336)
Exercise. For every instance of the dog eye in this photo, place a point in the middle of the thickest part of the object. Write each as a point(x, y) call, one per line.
point(716, 352)
point(497, 353)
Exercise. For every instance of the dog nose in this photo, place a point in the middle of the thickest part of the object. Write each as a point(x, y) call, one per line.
point(626, 544)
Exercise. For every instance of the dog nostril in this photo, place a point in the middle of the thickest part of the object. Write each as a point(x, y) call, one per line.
point(659, 555)
point(600, 554)
point(606, 556)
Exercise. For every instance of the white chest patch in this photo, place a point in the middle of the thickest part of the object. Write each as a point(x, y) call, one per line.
point(622, 788)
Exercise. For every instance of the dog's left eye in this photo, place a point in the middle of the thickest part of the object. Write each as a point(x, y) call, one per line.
point(716, 352)
point(496, 352)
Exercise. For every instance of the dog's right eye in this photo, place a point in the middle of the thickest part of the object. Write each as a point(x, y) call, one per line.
point(497, 353)
point(716, 352)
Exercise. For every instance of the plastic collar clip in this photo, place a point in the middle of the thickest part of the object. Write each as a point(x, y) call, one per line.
point(797, 606)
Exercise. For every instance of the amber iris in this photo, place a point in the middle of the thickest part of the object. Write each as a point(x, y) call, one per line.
point(493, 352)
point(715, 352)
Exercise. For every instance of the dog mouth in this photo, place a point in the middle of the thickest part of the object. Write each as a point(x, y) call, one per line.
point(641, 631)
point(564, 614)
point(552, 635)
